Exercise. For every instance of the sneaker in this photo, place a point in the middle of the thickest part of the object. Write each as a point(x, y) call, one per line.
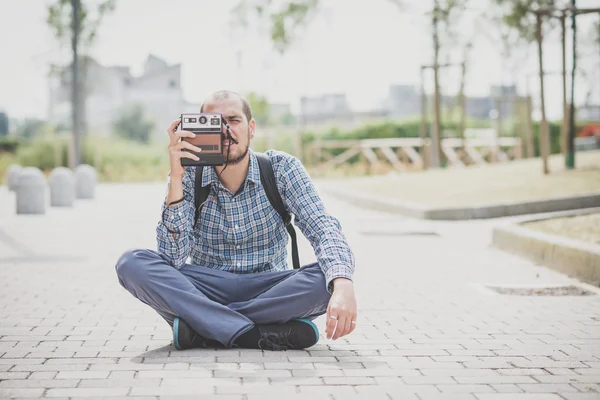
point(293, 335)
point(184, 337)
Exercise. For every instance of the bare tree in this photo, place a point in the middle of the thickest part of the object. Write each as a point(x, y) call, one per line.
point(74, 21)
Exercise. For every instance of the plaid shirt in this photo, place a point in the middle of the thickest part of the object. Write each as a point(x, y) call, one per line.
point(244, 233)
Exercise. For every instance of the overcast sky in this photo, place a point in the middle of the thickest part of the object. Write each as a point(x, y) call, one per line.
point(355, 47)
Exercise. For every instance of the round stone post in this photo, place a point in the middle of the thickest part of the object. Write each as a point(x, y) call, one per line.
point(31, 191)
point(62, 187)
point(12, 174)
point(85, 181)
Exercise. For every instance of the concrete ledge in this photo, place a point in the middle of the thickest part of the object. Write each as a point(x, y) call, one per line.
point(463, 213)
point(575, 258)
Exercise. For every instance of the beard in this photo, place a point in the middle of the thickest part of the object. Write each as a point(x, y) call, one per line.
point(231, 159)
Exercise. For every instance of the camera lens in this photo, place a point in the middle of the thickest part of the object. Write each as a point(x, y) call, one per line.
point(203, 120)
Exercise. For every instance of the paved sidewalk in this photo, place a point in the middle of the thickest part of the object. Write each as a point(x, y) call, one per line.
point(427, 326)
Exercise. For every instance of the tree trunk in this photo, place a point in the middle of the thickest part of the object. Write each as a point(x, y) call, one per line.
point(423, 127)
point(570, 160)
point(463, 103)
point(437, 141)
point(564, 126)
point(544, 124)
point(75, 93)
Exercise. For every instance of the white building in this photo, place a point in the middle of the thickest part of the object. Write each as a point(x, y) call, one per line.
point(110, 89)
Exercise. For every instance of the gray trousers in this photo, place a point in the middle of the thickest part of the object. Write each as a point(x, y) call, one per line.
point(221, 305)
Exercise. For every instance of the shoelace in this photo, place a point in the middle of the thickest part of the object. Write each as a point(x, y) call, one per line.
point(275, 341)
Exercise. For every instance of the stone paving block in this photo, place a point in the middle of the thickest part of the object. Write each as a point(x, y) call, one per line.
point(465, 388)
point(517, 396)
point(546, 388)
point(202, 397)
point(586, 371)
point(586, 387)
point(277, 396)
point(50, 368)
point(289, 365)
point(171, 391)
point(280, 390)
point(428, 380)
point(317, 373)
point(42, 375)
point(448, 396)
point(9, 393)
point(459, 372)
point(274, 373)
point(339, 365)
point(195, 373)
point(108, 383)
point(39, 383)
point(506, 388)
point(87, 392)
point(203, 382)
point(569, 379)
point(349, 380)
point(496, 379)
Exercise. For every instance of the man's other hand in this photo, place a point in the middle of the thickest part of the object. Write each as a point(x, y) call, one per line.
point(341, 311)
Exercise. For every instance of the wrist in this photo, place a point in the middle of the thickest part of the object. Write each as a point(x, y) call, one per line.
point(341, 282)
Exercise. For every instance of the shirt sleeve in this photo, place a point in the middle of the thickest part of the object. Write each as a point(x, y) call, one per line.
point(323, 231)
point(174, 233)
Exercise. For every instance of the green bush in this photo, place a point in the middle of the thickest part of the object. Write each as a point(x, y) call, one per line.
point(116, 160)
point(9, 144)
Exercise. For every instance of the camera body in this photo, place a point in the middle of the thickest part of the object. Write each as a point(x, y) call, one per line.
point(208, 128)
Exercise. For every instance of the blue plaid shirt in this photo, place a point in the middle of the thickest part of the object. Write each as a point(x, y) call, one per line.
point(244, 233)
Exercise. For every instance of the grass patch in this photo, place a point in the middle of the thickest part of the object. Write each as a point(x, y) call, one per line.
point(580, 227)
point(512, 182)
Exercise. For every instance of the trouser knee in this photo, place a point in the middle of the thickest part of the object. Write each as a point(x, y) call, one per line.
point(130, 267)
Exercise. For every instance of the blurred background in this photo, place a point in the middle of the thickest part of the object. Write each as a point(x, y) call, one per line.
point(451, 83)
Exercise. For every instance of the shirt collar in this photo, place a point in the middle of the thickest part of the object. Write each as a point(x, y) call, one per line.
point(209, 175)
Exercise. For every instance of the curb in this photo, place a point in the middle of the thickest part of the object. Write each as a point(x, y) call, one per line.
point(573, 257)
point(465, 213)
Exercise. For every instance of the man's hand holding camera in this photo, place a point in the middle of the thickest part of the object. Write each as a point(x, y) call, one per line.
point(176, 153)
point(176, 148)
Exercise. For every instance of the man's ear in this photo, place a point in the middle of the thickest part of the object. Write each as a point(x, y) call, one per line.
point(252, 126)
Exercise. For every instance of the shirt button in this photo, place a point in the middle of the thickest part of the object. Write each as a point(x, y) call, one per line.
point(239, 264)
point(237, 247)
point(236, 226)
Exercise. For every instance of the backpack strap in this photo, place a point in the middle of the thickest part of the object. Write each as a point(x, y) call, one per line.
point(200, 193)
point(267, 177)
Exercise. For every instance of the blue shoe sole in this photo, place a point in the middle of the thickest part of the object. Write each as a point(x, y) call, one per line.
point(175, 333)
point(312, 325)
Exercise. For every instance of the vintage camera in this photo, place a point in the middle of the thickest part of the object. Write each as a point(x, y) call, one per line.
point(208, 128)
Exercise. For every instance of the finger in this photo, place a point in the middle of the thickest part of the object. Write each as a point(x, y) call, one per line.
point(173, 126)
point(186, 154)
point(182, 134)
point(186, 145)
point(344, 329)
point(331, 323)
point(352, 324)
point(327, 321)
point(334, 329)
point(341, 326)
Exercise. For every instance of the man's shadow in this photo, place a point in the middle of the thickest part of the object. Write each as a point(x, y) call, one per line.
point(205, 359)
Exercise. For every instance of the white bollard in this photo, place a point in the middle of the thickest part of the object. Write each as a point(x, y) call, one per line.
point(85, 181)
point(62, 187)
point(12, 174)
point(31, 191)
